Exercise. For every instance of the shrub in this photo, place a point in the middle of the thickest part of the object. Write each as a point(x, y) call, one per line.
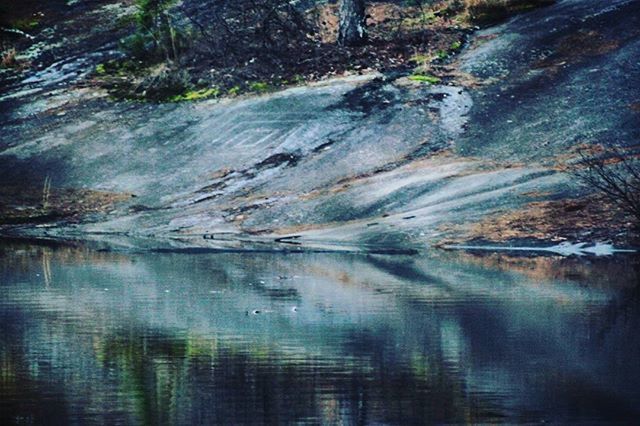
point(159, 33)
point(139, 46)
point(167, 84)
point(26, 24)
point(235, 31)
point(8, 59)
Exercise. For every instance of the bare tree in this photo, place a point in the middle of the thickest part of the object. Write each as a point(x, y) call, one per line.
point(616, 174)
point(353, 29)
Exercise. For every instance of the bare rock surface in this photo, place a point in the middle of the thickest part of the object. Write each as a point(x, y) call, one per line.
point(371, 162)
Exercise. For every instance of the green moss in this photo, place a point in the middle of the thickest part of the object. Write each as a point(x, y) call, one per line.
point(429, 16)
point(456, 45)
point(442, 54)
point(293, 81)
point(416, 22)
point(119, 68)
point(420, 58)
point(196, 95)
point(425, 78)
point(234, 91)
point(26, 24)
point(259, 86)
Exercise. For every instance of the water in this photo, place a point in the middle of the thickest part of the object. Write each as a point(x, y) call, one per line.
point(102, 338)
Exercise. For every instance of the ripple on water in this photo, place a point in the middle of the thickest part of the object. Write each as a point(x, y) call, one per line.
point(353, 338)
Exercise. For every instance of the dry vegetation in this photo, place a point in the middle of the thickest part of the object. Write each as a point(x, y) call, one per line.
point(45, 204)
point(593, 218)
point(8, 58)
point(614, 173)
point(256, 46)
point(195, 49)
point(214, 48)
point(491, 11)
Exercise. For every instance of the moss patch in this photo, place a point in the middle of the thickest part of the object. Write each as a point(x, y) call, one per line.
point(234, 91)
point(26, 24)
point(425, 78)
point(259, 87)
point(196, 95)
point(101, 69)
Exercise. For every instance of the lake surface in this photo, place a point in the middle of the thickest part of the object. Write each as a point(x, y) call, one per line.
point(91, 337)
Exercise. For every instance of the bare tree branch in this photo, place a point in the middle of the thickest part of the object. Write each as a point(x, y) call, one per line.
point(615, 173)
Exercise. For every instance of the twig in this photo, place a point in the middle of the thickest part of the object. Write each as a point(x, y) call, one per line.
point(46, 192)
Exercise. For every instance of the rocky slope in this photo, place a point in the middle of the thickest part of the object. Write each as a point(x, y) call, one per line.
point(373, 162)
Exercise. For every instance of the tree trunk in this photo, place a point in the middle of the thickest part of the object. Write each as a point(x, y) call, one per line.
point(352, 31)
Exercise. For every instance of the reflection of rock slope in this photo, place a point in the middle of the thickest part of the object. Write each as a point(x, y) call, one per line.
point(430, 332)
point(360, 162)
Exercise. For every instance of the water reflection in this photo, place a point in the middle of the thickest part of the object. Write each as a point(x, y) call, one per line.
point(91, 337)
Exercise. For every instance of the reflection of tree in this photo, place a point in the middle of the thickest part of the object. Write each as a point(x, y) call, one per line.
point(176, 379)
point(46, 267)
point(169, 378)
point(147, 373)
point(21, 392)
point(624, 307)
point(405, 340)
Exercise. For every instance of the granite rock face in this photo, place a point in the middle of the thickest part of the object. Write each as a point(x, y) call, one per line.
point(368, 162)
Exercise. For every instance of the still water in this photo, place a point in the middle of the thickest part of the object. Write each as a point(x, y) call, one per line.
point(91, 337)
